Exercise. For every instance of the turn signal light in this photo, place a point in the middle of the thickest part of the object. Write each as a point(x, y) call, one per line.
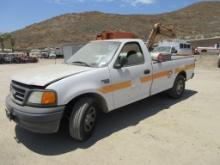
point(48, 98)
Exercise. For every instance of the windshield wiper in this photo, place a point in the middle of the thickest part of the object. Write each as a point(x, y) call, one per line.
point(81, 63)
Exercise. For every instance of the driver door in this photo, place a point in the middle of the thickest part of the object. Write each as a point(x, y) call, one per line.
point(126, 80)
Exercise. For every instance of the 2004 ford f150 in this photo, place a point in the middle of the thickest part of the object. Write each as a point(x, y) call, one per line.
point(102, 76)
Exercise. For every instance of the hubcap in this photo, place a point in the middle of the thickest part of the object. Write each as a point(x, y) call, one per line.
point(90, 119)
point(180, 87)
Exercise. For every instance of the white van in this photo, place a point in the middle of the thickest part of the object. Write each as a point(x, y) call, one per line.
point(177, 47)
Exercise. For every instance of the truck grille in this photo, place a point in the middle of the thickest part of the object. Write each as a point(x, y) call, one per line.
point(19, 92)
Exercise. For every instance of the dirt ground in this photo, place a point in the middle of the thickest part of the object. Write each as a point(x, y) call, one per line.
point(154, 131)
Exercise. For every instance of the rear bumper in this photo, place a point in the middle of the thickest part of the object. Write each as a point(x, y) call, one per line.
point(35, 122)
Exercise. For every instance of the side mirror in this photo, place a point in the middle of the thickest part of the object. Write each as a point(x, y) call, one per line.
point(122, 60)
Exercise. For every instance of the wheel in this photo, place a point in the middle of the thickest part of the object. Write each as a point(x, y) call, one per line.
point(178, 88)
point(219, 63)
point(83, 119)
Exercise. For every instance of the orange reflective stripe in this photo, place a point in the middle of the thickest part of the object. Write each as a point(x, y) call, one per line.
point(115, 87)
point(166, 73)
point(156, 76)
point(145, 79)
point(162, 74)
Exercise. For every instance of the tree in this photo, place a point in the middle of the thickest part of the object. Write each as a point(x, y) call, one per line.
point(2, 42)
point(12, 42)
point(5, 37)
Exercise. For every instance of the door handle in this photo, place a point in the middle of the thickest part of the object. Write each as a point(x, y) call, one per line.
point(147, 71)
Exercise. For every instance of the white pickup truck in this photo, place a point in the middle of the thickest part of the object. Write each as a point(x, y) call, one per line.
point(102, 76)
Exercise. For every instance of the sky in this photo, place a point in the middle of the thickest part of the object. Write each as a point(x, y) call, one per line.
point(16, 14)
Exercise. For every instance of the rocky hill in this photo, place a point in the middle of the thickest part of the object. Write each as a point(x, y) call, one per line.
point(195, 21)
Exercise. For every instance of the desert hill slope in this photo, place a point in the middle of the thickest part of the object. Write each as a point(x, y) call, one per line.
point(200, 19)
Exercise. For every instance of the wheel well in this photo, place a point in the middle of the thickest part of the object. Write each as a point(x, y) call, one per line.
point(99, 100)
point(204, 50)
point(183, 73)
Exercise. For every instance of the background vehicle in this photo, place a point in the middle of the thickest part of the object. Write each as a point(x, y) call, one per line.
point(59, 52)
point(16, 58)
point(102, 76)
point(52, 54)
point(7, 57)
point(35, 53)
point(1, 58)
point(44, 54)
point(177, 47)
point(165, 51)
point(215, 49)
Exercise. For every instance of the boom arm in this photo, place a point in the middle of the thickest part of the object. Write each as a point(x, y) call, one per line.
point(159, 29)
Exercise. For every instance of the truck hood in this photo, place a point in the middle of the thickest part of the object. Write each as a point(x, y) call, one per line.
point(44, 75)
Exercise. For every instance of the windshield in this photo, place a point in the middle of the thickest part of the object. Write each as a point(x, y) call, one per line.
point(162, 49)
point(95, 54)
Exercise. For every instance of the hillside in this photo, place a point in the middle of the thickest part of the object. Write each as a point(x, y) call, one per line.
point(200, 19)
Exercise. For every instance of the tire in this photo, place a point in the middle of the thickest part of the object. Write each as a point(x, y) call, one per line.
point(219, 63)
point(83, 119)
point(178, 88)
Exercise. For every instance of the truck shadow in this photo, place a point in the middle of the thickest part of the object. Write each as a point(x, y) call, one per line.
point(60, 143)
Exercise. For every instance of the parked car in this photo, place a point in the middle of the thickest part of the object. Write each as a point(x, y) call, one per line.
point(44, 54)
point(52, 55)
point(7, 58)
point(166, 51)
point(1, 58)
point(16, 58)
point(101, 77)
point(35, 53)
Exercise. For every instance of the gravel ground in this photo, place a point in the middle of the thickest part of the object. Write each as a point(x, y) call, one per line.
point(157, 130)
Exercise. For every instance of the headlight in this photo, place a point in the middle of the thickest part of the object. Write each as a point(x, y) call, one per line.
point(45, 98)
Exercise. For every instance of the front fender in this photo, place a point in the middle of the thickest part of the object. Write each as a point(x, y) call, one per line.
point(84, 83)
point(106, 98)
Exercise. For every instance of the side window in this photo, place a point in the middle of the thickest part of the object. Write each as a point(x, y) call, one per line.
point(181, 46)
point(133, 53)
